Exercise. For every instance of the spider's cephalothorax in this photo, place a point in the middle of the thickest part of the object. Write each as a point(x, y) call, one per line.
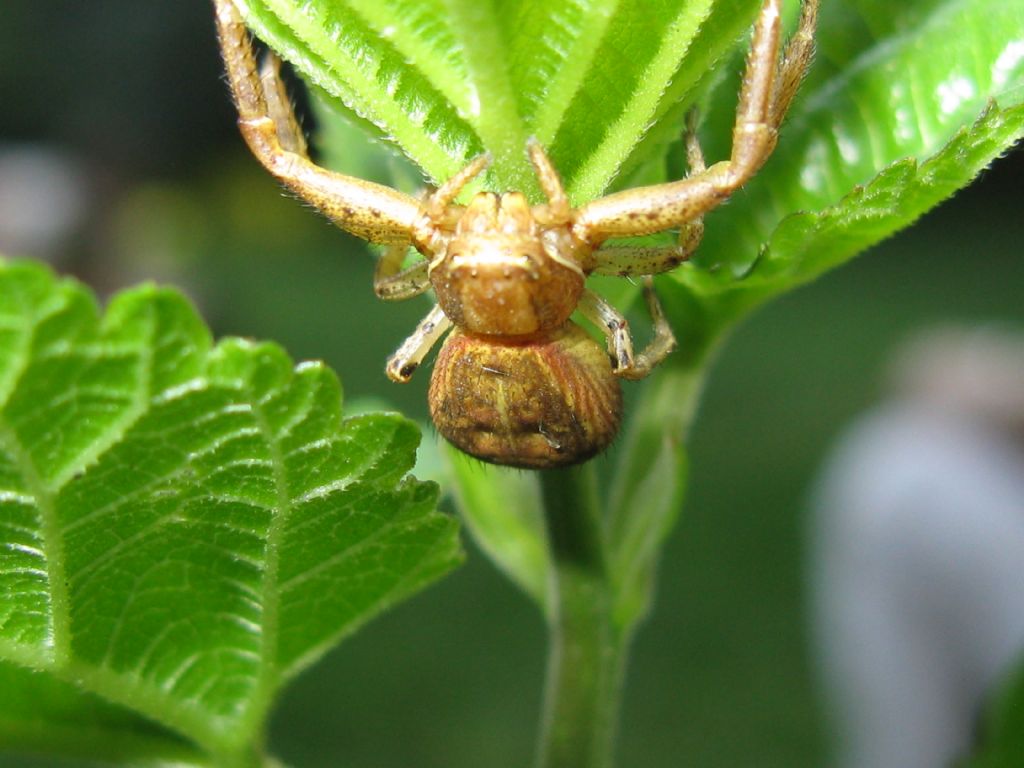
point(503, 274)
point(517, 382)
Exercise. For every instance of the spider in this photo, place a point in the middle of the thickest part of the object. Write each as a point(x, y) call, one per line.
point(517, 382)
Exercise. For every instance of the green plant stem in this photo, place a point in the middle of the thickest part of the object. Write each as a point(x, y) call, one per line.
point(586, 653)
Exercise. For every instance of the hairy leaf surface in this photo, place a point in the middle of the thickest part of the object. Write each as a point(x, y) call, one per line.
point(448, 79)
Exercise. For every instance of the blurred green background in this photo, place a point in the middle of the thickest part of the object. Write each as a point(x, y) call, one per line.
point(119, 162)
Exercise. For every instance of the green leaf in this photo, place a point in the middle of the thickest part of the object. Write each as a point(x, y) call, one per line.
point(447, 79)
point(604, 84)
point(183, 527)
point(885, 132)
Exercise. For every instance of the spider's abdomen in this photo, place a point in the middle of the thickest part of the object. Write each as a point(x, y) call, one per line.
point(499, 277)
point(544, 402)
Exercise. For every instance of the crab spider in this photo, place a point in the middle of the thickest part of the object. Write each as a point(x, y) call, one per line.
point(517, 382)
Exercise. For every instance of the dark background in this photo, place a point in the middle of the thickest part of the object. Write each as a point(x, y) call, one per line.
point(125, 99)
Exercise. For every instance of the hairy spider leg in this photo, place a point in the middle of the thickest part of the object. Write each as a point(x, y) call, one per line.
point(279, 108)
point(767, 91)
point(265, 118)
point(626, 261)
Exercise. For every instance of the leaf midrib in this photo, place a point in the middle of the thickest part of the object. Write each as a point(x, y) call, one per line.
point(600, 165)
point(573, 73)
point(45, 494)
point(268, 676)
point(59, 639)
point(59, 619)
point(494, 110)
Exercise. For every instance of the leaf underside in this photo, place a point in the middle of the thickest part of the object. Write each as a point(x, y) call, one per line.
point(183, 526)
point(881, 135)
point(445, 80)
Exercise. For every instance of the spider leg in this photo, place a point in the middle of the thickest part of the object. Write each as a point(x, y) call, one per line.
point(767, 91)
point(664, 341)
point(558, 209)
point(371, 211)
point(392, 283)
point(279, 108)
point(438, 202)
point(795, 61)
point(626, 261)
point(614, 326)
point(407, 358)
point(632, 260)
point(620, 342)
